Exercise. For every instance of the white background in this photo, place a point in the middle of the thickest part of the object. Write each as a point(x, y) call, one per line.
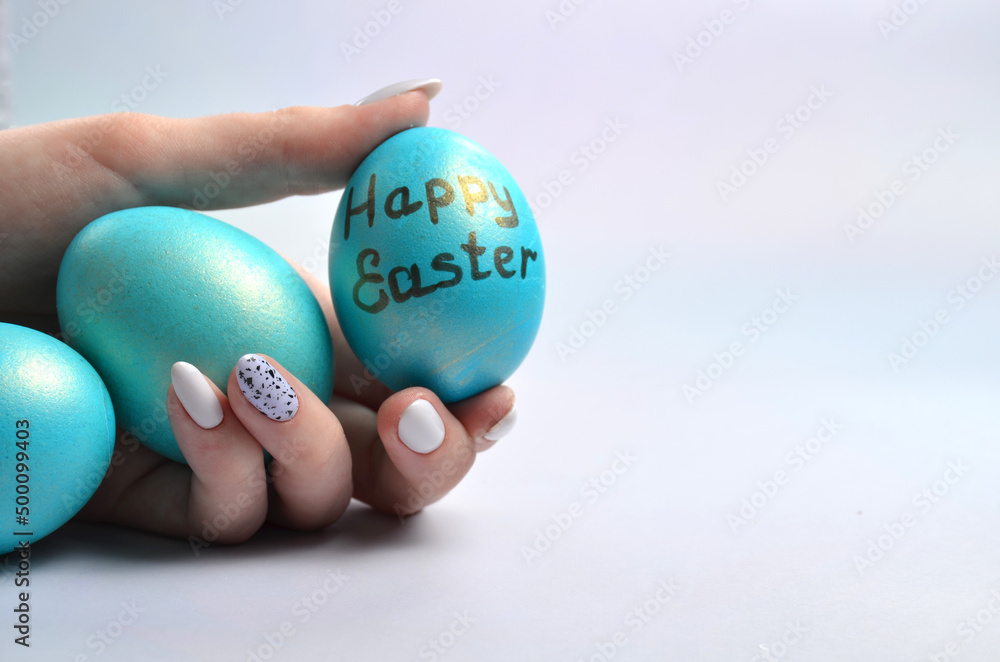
point(804, 560)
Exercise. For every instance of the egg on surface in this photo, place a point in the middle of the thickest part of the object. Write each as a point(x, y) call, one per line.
point(436, 266)
point(57, 433)
point(143, 288)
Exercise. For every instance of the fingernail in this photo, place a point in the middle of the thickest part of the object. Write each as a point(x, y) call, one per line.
point(503, 426)
point(430, 86)
point(265, 388)
point(420, 427)
point(196, 395)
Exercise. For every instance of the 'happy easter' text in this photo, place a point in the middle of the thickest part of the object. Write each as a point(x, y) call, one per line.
point(439, 194)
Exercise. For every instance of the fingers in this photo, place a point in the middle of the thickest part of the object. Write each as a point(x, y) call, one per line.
point(227, 499)
point(488, 416)
point(69, 173)
point(419, 449)
point(311, 469)
point(221, 498)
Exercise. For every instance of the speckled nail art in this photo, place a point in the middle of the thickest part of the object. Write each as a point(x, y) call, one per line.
point(265, 388)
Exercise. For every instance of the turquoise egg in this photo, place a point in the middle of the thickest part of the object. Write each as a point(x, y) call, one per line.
point(141, 289)
point(436, 266)
point(57, 432)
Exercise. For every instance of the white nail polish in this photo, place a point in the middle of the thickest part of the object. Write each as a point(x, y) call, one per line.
point(196, 395)
point(265, 388)
point(420, 427)
point(503, 426)
point(430, 86)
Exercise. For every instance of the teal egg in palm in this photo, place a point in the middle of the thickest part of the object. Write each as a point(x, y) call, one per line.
point(436, 266)
point(143, 288)
point(57, 432)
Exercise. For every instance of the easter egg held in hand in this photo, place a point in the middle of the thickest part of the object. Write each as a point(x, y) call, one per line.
point(143, 288)
point(436, 266)
point(58, 430)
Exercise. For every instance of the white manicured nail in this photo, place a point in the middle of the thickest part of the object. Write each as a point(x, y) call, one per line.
point(196, 395)
point(430, 86)
point(420, 427)
point(265, 388)
point(503, 426)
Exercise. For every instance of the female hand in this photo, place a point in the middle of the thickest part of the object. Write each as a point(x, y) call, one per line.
point(395, 451)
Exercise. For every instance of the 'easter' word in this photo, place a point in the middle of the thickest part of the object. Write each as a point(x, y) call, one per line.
point(787, 126)
point(899, 17)
point(438, 193)
point(913, 169)
point(443, 263)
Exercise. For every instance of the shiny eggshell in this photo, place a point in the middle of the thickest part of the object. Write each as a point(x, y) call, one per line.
point(57, 432)
point(436, 266)
point(142, 288)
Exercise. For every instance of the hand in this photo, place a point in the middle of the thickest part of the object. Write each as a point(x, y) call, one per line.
point(328, 451)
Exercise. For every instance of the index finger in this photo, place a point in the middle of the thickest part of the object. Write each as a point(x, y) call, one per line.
point(63, 175)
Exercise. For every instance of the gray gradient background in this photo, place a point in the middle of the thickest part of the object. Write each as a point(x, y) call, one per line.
point(665, 517)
